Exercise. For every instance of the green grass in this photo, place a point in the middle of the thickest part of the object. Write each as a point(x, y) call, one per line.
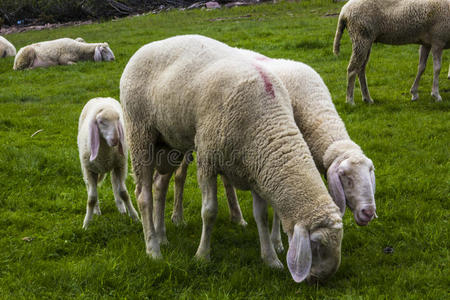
point(42, 194)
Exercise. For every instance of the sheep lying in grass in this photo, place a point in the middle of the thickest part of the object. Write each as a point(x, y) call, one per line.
point(102, 149)
point(350, 174)
point(6, 48)
point(395, 22)
point(238, 117)
point(63, 51)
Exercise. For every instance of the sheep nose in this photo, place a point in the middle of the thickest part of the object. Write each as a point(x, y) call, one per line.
point(114, 141)
point(369, 212)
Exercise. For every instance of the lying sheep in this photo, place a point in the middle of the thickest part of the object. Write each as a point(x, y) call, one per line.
point(395, 22)
point(350, 174)
point(63, 51)
point(6, 48)
point(102, 149)
point(238, 117)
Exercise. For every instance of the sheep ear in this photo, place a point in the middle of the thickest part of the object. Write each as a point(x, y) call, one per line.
point(372, 179)
point(121, 139)
point(335, 187)
point(299, 256)
point(95, 139)
point(98, 53)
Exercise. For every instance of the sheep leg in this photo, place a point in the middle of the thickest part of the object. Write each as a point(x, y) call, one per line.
point(91, 183)
point(121, 196)
point(233, 204)
point(437, 61)
point(268, 254)
point(180, 179)
point(424, 51)
point(208, 185)
point(161, 185)
point(363, 81)
point(275, 236)
point(359, 56)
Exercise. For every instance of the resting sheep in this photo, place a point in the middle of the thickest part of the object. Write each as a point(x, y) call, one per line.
point(63, 51)
point(102, 149)
point(350, 174)
point(6, 48)
point(395, 22)
point(238, 117)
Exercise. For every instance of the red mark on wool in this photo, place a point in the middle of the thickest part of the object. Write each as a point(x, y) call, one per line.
point(267, 84)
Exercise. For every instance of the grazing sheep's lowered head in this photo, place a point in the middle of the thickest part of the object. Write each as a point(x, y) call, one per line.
point(103, 53)
point(351, 181)
point(106, 125)
point(315, 253)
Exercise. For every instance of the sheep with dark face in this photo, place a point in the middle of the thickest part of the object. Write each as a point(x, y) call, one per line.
point(394, 22)
point(63, 51)
point(238, 117)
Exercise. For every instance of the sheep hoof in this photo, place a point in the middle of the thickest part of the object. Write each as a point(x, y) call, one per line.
point(202, 256)
point(163, 240)
point(177, 220)
point(414, 97)
point(273, 262)
point(239, 221)
point(121, 208)
point(368, 100)
point(154, 254)
point(350, 102)
point(437, 97)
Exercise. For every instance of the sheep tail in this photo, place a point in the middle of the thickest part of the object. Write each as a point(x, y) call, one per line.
point(342, 23)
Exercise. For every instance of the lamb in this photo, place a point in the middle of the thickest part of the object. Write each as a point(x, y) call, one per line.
point(350, 174)
point(6, 48)
point(238, 117)
point(395, 22)
point(102, 149)
point(63, 51)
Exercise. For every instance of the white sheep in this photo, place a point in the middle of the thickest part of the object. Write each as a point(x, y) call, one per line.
point(395, 22)
point(350, 174)
point(6, 48)
point(103, 149)
point(63, 51)
point(238, 117)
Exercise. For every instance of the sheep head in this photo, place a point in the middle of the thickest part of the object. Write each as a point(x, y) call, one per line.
point(315, 254)
point(352, 182)
point(103, 53)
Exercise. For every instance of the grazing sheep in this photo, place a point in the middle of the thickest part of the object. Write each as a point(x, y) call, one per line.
point(81, 40)
point(395, 22)
point(63, 51)
point(6, 48)
point(102, 149)
point(350, 174)
point(238, 117)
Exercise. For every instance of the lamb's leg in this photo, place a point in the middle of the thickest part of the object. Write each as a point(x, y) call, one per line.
point(360, 51)
point(275, 236)
point(437, 61)
point(180, 179)
point(424, 51)
point(161, 185)
point(91, 183)
point(233, 204)
point(121, 196)
point(268, 253)
point(363, 81)
point(208, 185)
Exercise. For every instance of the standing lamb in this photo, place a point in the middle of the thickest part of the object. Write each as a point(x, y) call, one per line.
point(102, 149)
point(63, 51)
point(350, 174)
point(395, 22)
point(6, 48)
point(238, 117)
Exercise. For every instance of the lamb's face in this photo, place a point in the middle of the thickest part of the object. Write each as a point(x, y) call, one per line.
point(357, 176)
point(315, 255)
point(108, 126)
point(103, 53)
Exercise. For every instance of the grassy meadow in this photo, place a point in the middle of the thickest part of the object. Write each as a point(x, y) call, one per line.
point(43, 197)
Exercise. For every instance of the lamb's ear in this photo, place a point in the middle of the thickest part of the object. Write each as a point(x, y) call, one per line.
point(335, 187)
point(121, 139)
point(95, 139)
point(299, 256)
point(98, 53)
point(372, 179)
